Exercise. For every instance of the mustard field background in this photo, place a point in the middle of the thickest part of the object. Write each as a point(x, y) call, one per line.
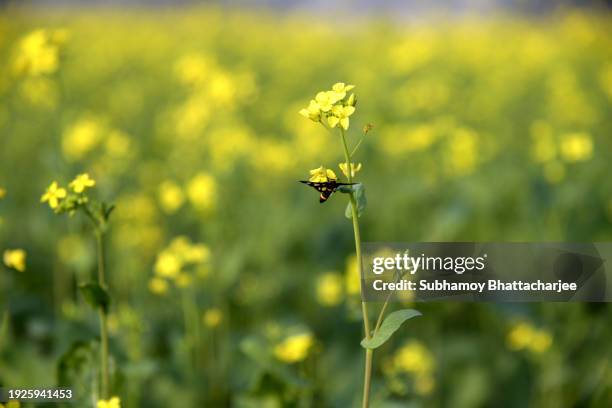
point(491, 128)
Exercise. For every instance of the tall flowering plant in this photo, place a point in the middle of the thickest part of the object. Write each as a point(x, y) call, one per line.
point(70, 201)
point(333, 109)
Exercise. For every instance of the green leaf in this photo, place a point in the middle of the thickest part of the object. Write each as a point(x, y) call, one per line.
point(358, 191)
point(388, 327)
point(77, 368)
point(95, 295)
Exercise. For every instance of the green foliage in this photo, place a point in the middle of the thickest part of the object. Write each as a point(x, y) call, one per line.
point(95, 295)
point(77, 368)
point(389, 326)
point(358, 192)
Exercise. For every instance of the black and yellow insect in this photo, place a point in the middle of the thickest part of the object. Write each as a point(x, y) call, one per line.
point(326, 188)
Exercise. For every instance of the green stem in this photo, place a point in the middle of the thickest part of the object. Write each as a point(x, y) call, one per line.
point(104, 388)
point(367, 375)
point(381, 314)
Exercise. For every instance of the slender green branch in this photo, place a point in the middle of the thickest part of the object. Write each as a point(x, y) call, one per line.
point(364, 307)
point(104, 388)
point(356, 147)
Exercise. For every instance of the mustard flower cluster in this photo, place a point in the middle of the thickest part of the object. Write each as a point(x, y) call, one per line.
point(113, 402)
point(15, 259)
point(524, 336)
point(62, 200)
point(415, 360)
point(39, 52)
point(174, 262)
point(333, 107)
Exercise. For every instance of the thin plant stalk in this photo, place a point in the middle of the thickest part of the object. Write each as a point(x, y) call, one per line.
point(104, 388)
point(192, 330)
point(367, 375)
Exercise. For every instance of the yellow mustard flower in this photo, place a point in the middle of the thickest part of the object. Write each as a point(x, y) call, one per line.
point(355, 168)
point(340, 115)
point(158, 286)
point(415, 358)
point(114, 402)
point(519, 336)
point(188, 252)
point(294, 348)
point(312, 112)
point(38, 55)
point(329, 289)
point(202, 191)
point(197, 253)
point(212, 317)
point(167, 264)
point(80, 138)
point(340, 89)
point(322, 175)
point(576, 147)
point(326, 100)
point(2, 193)
point(11, 404)
point(15, 258)
point(53, 195)
point(171, 196)
point(523, 336)
point(82, 182)
point(541, 341)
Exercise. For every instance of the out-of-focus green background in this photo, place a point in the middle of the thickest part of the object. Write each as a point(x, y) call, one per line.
point(490, 128)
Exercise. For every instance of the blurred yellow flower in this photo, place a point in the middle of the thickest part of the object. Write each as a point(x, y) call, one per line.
point(340, 114)
point(188, 252)
point(167, 264)
point(576, 146)
point(38, 54)
point(414, 357)
point(192, 69)
point(462, 151)
point(212, 317)
point(541, 341)
point(15, 258)
point(80, 138)
point(329, 289)
point(158, 286)
point(2, 193)
point(322, 175)
point(53, 195)
point(11, 404)
point(171, 196)
point(312, 112)
point(82, 182)
point(294, 348)
point(114, 402)
point(523, 335)
point(202, 191)
point(355, 168)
